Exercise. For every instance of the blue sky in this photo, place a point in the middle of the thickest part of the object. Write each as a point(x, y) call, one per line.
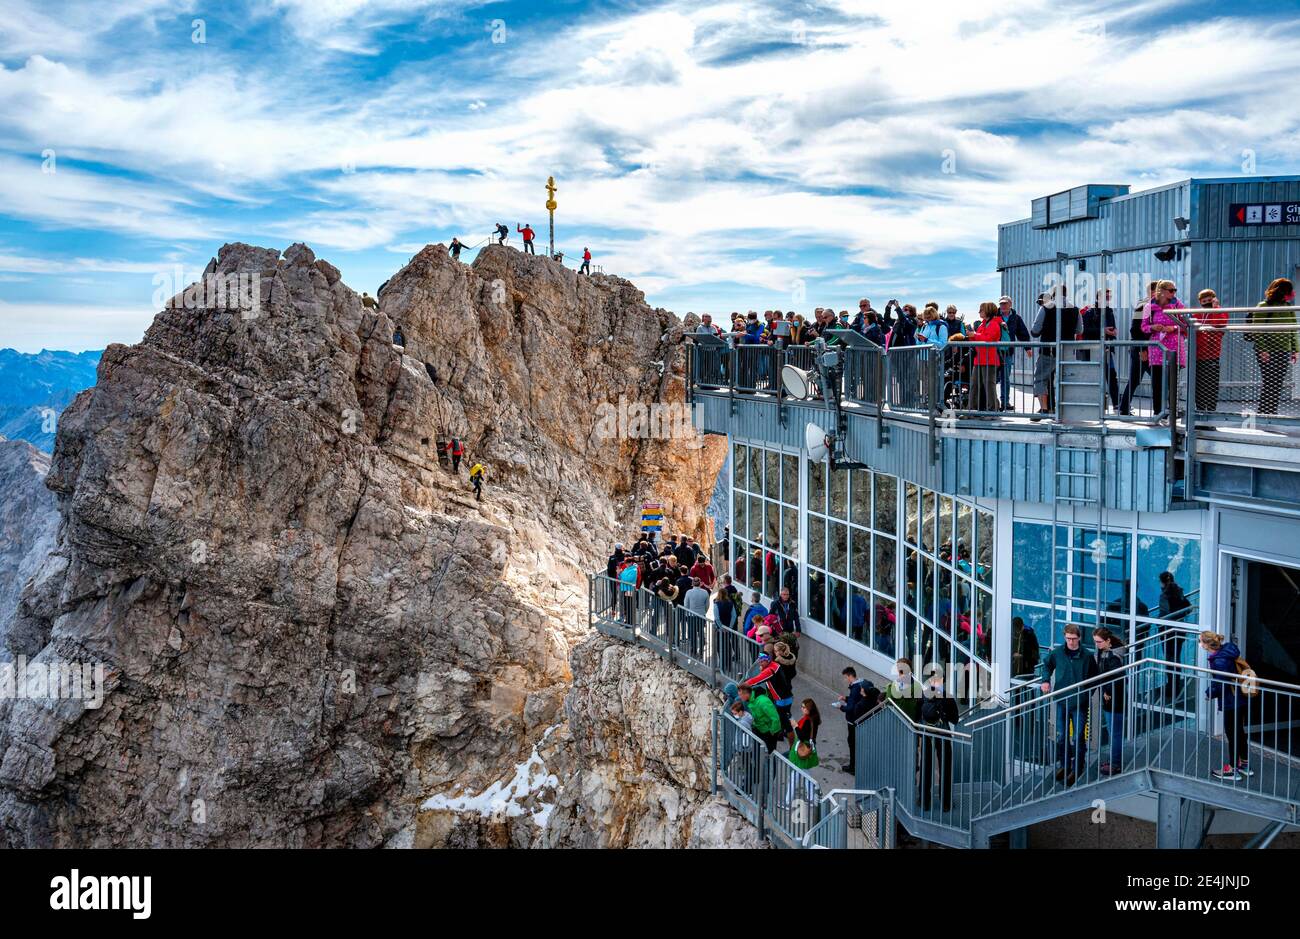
point(722, 155)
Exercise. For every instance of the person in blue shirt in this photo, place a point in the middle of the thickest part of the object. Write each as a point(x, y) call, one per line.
point(756, 609)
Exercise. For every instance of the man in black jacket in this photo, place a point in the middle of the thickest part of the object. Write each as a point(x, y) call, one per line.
point(1057, 321)
point(862, 697)
point(1098, 322)
point(939, 713)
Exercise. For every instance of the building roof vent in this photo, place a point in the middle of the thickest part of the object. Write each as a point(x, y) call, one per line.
point(1072, 204)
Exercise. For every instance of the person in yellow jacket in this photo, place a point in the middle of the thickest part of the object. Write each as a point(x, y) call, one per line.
point(476, 477)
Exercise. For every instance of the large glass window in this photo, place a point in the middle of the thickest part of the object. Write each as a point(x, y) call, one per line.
point(948, 596)
point(765, 521)
point(851, 523)
point(1147, 583)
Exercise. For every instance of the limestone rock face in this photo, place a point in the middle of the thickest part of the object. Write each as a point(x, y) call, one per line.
point(29, 520)
point(307, 624)
point(641, 774)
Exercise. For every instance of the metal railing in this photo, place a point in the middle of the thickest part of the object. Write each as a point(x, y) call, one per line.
point(1150, 719)
point(854, 818)
point(784, 802)
point(709, 650)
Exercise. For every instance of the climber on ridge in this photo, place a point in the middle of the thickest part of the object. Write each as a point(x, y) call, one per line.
point(586, 262)
point(527, 231)
point(502, 233)
point(455, 450)
point(476, 477)
point(455, 248)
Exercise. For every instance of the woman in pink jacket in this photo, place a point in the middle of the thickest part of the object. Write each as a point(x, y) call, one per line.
point(1167, 331)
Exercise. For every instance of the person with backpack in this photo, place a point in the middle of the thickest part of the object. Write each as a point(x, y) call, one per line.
point(586, 262)
point(767, 723)
point(862, 696)
point(777, 674)
point(455, 248)
point(1233, 699)
point(1109, 659)
point(502, 233)
point(1071, 666)
point(527, 231)
point(756, 611)
point(457, 450)
point(787, 611)
point(905, 692)
point(476, 474)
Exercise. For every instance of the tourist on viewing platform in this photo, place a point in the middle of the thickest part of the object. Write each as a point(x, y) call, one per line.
point(756, 610)
point(954, 322)
point(1017, 331)
point(724, 608)
point(1275, 352)
point(787, 611)
point(1209, 349)
point(862, 697)
point(740, 713)
point(809, 722)
point(528, 234)
point(1095, 322)
point(697, 598)
point(777, 673)
point(586, 262)
point(707, 327)
point(905, 691)
point(887, 318)
point(615, 561)
point(767, 723)
point(502, 233)
point(1024, 648)
point(799, 331)
point(703, 570)
point(863, 317)
point(684, 582)
point(933, 331)
point(1168, 348)
point(987, 362)
point(939, 711)
point(1070, 665)
point(1232, 696)
point(874, 332)
point(1112, 696)
point(1139, 357)
point(1056, 319)
point(689, 551)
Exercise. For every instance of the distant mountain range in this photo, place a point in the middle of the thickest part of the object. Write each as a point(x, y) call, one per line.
point(34, 390)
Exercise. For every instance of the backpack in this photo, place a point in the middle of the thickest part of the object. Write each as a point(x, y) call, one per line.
point(1246, 678)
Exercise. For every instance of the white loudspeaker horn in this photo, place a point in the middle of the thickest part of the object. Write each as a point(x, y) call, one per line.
point(798, 383)
point(815, 441)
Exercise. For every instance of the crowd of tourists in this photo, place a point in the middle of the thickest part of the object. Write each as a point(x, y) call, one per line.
point(1152, 337)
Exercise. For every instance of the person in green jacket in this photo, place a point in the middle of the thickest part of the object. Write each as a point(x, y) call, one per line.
point(1275, 352)
point(767, 723)
point(1071, 666)
point(905, 691)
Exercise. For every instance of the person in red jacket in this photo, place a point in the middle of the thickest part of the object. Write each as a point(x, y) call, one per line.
point(457, 450)
point(704, 571)
point(983, 391)
point(1209, 347)
point(527, 231)
point(586, 262)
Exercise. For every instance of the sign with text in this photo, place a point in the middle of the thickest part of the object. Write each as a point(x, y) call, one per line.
point(1250, 214)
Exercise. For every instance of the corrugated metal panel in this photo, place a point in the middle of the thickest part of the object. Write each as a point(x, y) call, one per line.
point(1240, 270)
point(981, 468)
point(1211, 199)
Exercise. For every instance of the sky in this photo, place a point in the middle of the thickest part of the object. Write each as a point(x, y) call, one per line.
point(722, 156)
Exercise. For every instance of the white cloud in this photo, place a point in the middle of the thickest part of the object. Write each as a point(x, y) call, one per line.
point(30, 327)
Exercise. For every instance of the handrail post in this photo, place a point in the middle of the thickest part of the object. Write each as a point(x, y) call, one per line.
point(764, 772)
point(717, 754)
point(880, 397)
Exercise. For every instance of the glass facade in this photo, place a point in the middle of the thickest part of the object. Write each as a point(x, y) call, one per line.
point(764, 521)
point(1147, 581)
point(948, 587)
point(851, 576)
